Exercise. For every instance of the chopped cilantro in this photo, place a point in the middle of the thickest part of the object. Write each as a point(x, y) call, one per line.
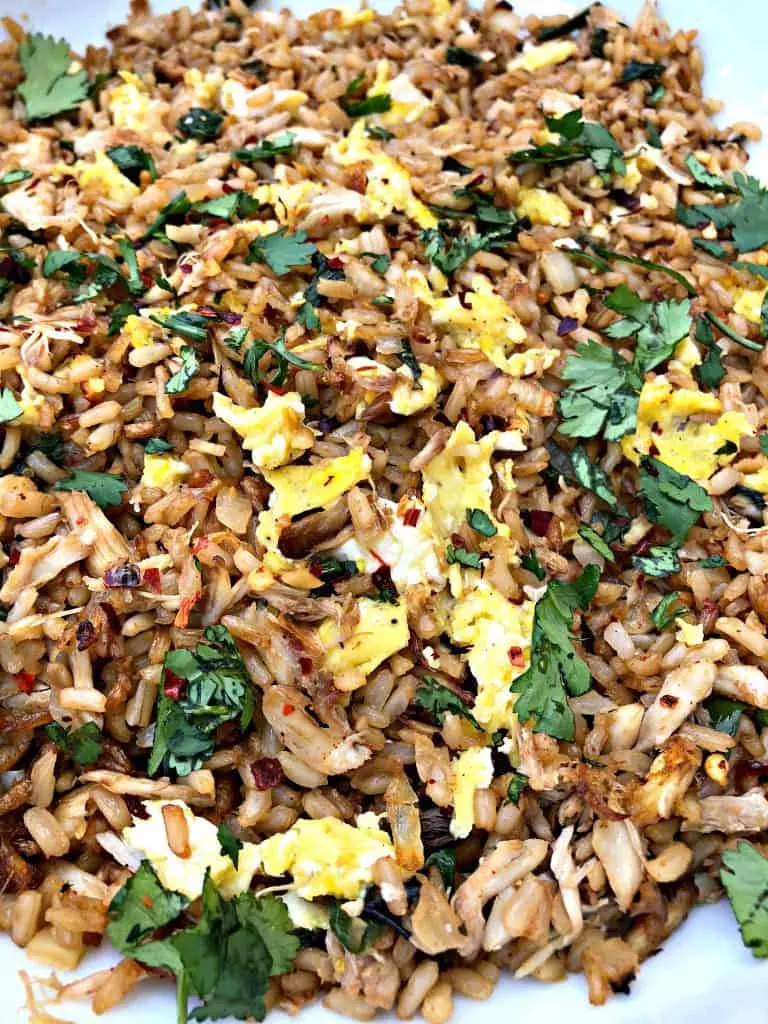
point(283, 357)
point(378, 131)
point(656, 326)
point(461, 57)
point(672, 499)
point(353, 933)
point(445, 862)
point(656, 95)
point(281, 251)
point(228, 206)
point(190, 364)
point(603, 396)
point(177, 208)
point(201, 124)
point(652, 135)
point(382, 300)
point(118, 316)
point(329, 569)
point(515, 787)
point(721, 325)
point(9, 407)
point(705, 178)
point(229, 843)
point(664, 614)
point(379, 103)
point(131, 161)
point(14, 177)
point(49, 87)
point(746, 219)
point(188, 325)
point(660, 561)
point(379, 263)
point(236, 339)
point(157, 446)
point(713, 562)
point(579, 140)
point(83, 745)
point(134, 281)
point(105, 489)
point(555, 670)
point(591, 476)
point(597, 42)
point(711, 248)
point(744, 875)
point(532, 564)
point(595, 541)
point(216, 689)
point(481, 522)
point(438, 699)
point(460, 556)
point(635, 71)
point(564, 28)
point(710, 372)
point(269, 149)
point(725, 714)
point(407, 358)
point(452, 164)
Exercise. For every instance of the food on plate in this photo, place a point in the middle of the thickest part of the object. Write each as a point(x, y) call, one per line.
point(383, 492)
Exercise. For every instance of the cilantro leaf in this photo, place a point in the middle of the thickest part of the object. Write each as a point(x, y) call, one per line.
point(577, 468)
point(660, 561)
point(135, 283)
point(157, 446)
point(9, 407)
point(672, 499)
point(664, 614)
point(437, 699)
point(656, 326)
point(744, 874)
point(229, 843)
point(713, 562)
point(14, 177)
point(283, 357)
point(603, 396)
point(201, 124)
point(136, 912)
point(190, 364)
point(177, 208)
point(515, 787)
point(83, 745)
point(460, 556)
point(746, 219)
point(703, 177)
point(379, 103)
point(461, 57)
point(105, 489)
point(635, 71)
point(710, 372)
point(49, 87)
point(445, 862)
point(725, 714)
point(353, 933)
point(595, 541)
point(189, 325)
point(65, 261)
point(407, 358)
point(532, 564)
point(481, 522)
point(217, 689)
point(269, 149)
point(579, 140)
point(281, 251)
point(555, 669)
point(564, 28)
point(131, 161)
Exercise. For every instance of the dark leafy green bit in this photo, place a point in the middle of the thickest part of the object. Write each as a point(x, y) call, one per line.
point(652, 135)
point(656, 95)
point(579, 140)
point(118, 316)
point(532, 564)
point(495, 228)
point(281, 251)
point(9, 407)
point(106, 272)
point(324, 269)
point(49, 87)
point(481, 522)
point(133, 280)
point(15, 268)
point(461, 57)
point(225, 959)
point(229, 843)
point(725, 714)
point(236, 339)
point(656, 326)
point(600, 255)
point(215, 688)
point(555, 670)
point(744, 875)
point(713, 562)
point(178, 383)
point(604, 395)
point(460, 556)
point(450, 163)
point(597, 42)
point(227, 207)
point(577, 467)
point(564, 28)
point(105, 489)
point(379, 262)
point(437, 699)
point(710, 372)
point(201, 124)
point(667, 610)
point(672, 499)
point(131, 161)
point(189, 325)
point(353, 933)
point(283, 358)
point(14, 177)
point(661, 561)
point(705, 178)
point(515, 787)
point(721, 325)
point(157, 446)
point(383, 300)
point(636, 71)
point(746, 219)
point(595, 541)
point(83, 745)
point(445, 862)
point(269, 149)
point(329, 569)
point(175, 210)
point(378, 131)
point(379, 103)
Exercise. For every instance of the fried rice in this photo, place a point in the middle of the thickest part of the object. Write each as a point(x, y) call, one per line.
point(383, 550)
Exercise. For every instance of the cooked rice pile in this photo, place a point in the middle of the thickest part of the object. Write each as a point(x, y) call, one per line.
point(289, 501)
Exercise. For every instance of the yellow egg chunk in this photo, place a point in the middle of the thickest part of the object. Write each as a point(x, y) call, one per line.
point(631, 177)
point(472, 770)
point(484, 321)
point(542, 207)
point(326, 856)
point(757, 481)
point(297, 489)
point(554, 51)
point(665, 428)
point(130, 107)
point(103, 175)
point(163, 471)
point(389, 184)
point(686, 356)
point(498, 634)
point(381, 631)
point(205, 86)
point(274, 433)
point(459, 478)
point(748, 302)
point(410, 396)
point(408, 102)
point(290, 201)
point(689, 633)
point(238, 100)
point(139, 331)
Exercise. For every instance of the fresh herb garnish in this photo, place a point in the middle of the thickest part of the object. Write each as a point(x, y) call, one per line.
point(656, 326)
point(597, 42)
point(744, 875)
point(660, 561)
point(450, 163)
point(379, 103)
point(577, 467)
point(555, 670)
point(724, 714)
point(83, 745)
point(745, 219)
point(579, 140)
point(603, 396)
point(157, 446)
point(229, 843)
point(105, 489)
point(177, 208)
point(379, 263)
point(665, 612)
point(460, 556)
point(636, 71)
point(710, 372)
point(330, 569)
point(462, 58)
point(14, 177)
point(705, 178)
point(201, 124)
point(564, 28)
point(353, 933)
point(532, 564)
point(713, 562)
point(515, 787)
point(282, 251)
point(481, 522)
point(407, 358)
point(188, 325)
point(10, 409)
point(49, 87)
point(672, 499)
point(438, 699)
point(269, 149)
point(283, 357)
point(178, 383)
point(378, 131)
point(215, 689)
point(596, 542)
point(445, 862)
point(131, 161)
point(228, 206)
point(134, 281)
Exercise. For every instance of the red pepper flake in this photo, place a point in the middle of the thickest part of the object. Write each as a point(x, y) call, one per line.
point(540, 521)
point(412, 517)
point(334, 263)
point(172, 685)
point(152, 580)
point(14, 556)
point(515, 655)
point(667, 700)
point(305, 664)
point(288, 709)
point(147, 279)
point(200, 543)
point(644, 546)
point(275, 389)
point(147, 901)
point(86, 325)
point(185, 607)
point(25, 681)
point(267, 773)
point(186, 268)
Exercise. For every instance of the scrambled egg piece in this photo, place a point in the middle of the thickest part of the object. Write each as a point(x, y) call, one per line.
point(542, 207)
point(409, 549)
point(274, 433)
point(104, 176)
point(381, 631)
point(755, 481)
point(631, 177)
point(298, 489)
point(240, 101)
point(410, 396)
point(499, 636)
point(472, 770)
point(139, 330)
point(289, 201)
point(326, 856)
point(686, 356)
point(533, 58)
point(304, 913)
point(204, 86)
point(664, 426)
point(163, 471)
point(748, 302)
point(689, 633)
point(131, 107)
point(486, 322)
point(460, 478)
point(389, 184)
point(408, 102)
point(350, 17)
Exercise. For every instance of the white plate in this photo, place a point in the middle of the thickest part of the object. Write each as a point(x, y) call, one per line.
point(704, 973)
